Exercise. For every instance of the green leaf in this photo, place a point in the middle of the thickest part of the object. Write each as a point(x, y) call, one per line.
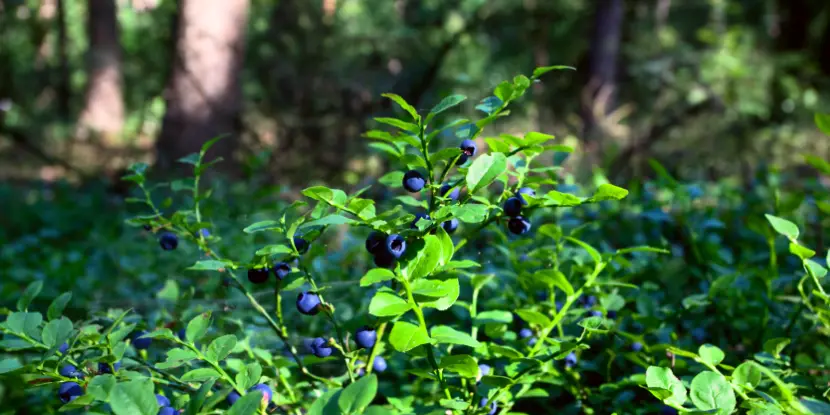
point(248, 404)
point(534, 317)
point(711, 354)
point(330, 220)
point(801, 251)
point(177, 357)
point(814, 267)
point(663, 378)
point(334, 197)
point(448, 248)
point(554, 278)
point(387, 304)
point(198, 400)
point(545, 69)
point(608, 191)
point(197, 327)
point(447, 103)
point(505, 351)
point(25, 322)
point(135, 397)
point(29, 294)
point(497, 381)
point(470, 213)
point(56, 332)
point(783, 226)
point(250, 376)
point(484, 170)
point(201, 374)
point(534, 138)
point(504, 91)
point(464, 365)
point(562, 199)
point(493, 316)
point(595, 255)
point(450, 287)
point(823, 122)
point(208, 144)
point(376, 275)
point(455, 404)
point(274, 250)
point(357, 396)
point(403, 125)
point(221, 347)
point(265, 225)
point(9, 365)
point(746, 375)
point(209, 265)
point(101, 386)
point(776, 345)
point(449, 335)
point(192, 158)
point(403, 104)
point(406, 336)
point(710, 390)
point(425, 260)
point(59, 304)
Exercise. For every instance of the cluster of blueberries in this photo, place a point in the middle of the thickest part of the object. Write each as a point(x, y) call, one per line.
point(517, 223)
point(280, 269)
point(365, 337)
point(69, 391)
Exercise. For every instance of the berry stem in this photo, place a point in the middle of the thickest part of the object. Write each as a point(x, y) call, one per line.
point(375, 349)
point(423, 324)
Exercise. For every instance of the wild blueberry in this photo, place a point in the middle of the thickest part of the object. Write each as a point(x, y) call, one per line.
point(281, 270)
point(375, 241)
point(513, 207)
point(148, 227)
point(699, 334)
point(361, 368)
point(588, 301)
point(105, 368)
point(308, 303)
point(365, 337)
point(168, 241)
point(570, 360)
point(525, 191)
point(68, 391)
point(532, 341)
point(452, 194)
point(384, 259)
point(450, 225)
point(258, 275)
point(301, 244)
point(167, 410)
point(525, 333)
point(266, 392)
point(182, 334)
point(379, 365)
point(595, 313)
point(140, 342)
point(232, 397)
point(518, 225)
point(484, 369)
point(468, 147)
point(668, 410)
point(636, 346)
point(413, 181)
point(205, 233)
point(558, 305)
point(395, 245)
point(321, 348)
point(612, 314)
point(493, 406)
point(307, 344)
point(64, 348)
point(70, 371)
point(162, 400)
point(418, 216)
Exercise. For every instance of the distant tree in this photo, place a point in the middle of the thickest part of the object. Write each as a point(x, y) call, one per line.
point(204, 94)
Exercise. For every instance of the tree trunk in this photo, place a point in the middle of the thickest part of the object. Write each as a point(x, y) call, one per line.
point(204, 94)
point(103, 112)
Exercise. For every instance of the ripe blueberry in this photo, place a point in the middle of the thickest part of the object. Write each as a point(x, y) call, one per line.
point(611, 314)
point(167, 410)
point(595, 313)
point(301, 244)
point(570, 360)
point(525, 333)
point(70, 371)
point(588, 301)
point(162, 400)
point(484, 369)
point(321, 348)
point(68, 391)
point(205, 233)
point(375, 241)
point(525, 191)
point(365, 337)
point(64, 348)
point(419, 216)
point(413, 181)
point(105, 368)
point(168, 241)
point(384, 259)
point(258, 275)
point(699, 334)
point(558, 305)
point(182, 334)
point(266, 392)
point(513, 207)
point(395, 245)
point(668, 410)
point(379, 365)
point(361, 368)
point(636, 346)
point(451, 194)
point(140, 342)
point(518, 225)
point(281, 270)
point(148, 227)
point(232, 397)
point(532, 341)
point(468, 147)
point(450, 225)
point(493, 406)
point(308, 303)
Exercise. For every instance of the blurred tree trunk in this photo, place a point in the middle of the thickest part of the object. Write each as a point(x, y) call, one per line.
point(103, 112)
point(599, 94)
point(204, 93)
point(824, 46)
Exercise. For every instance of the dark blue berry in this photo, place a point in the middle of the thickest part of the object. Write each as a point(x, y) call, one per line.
point(281, 270)
point(525, 191)
point(595, 313)
point(232, 397)
point(518, 225)
point(182, 334)
point(68, 391)
point(162, 400)
point(636, 346)
point(699, 334)
point(379, 365)
point(450, 225)
point(384, 259)
point(64, 348)
point(375, 241)
point(70, 371)
point(419, 216)
point(205, 233)
point(307, 344)
point(532, 341)
point(588, 301)
point(365, 337)
point(612, 314)
point(301, 244)
point(468, 147)
point(413, 181)
point(258, 275)
point(570, 360)
point(668, 410)
point(451, 194)
point(321, 348)
point(484, 369)
point(493, 407)
point(513, 207)
point(140, 342)
point(525, 333)
point(395, 245)
point(167, 410)
point(361, 368)
point(558, 305)
point(168, 241)
point(308, 303)
point(266, 392)
point(105, 368)
point(148, 227)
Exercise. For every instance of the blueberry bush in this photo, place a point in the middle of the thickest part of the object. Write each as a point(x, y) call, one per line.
point(487, 285)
